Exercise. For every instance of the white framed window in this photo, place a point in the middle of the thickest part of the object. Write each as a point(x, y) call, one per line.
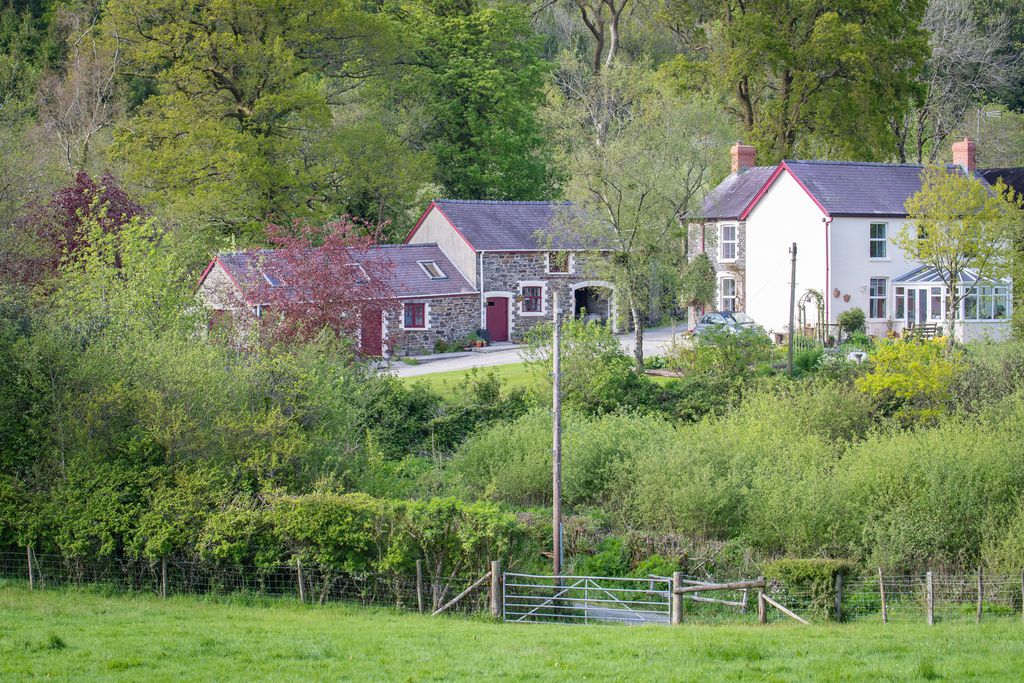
point(987, 303)
point(432, 270)
point(878, 241)
point(727, 243)
point(727, 294)
point(878, 289)
point(935, 304)
point(415, 315)
point(559, 263)
point(901, 303)
point(532, 298)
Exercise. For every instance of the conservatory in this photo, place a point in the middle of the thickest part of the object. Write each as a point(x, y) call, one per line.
point(920, 298)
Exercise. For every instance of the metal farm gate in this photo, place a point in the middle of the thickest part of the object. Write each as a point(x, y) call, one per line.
point(532, 598)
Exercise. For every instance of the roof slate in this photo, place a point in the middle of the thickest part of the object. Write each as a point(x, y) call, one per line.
point(932, 275)
point(843, 188)
point(407, 278)
point(1014, 177)
point(517, 226)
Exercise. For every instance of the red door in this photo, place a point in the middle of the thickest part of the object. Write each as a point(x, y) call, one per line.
point(371, 333)
point(497, 319)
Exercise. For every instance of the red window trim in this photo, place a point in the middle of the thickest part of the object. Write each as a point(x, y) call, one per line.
point(538, 298)
point(419, 316)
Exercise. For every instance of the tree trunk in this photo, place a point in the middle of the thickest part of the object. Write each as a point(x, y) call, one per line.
point(638, 346)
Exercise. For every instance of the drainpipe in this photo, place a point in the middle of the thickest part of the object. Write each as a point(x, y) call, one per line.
point(827, 220)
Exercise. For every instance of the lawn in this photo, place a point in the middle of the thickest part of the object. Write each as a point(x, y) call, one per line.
point(512, 375)
point(82, 635)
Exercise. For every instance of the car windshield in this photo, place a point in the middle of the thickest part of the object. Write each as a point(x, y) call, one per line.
point(741, 318)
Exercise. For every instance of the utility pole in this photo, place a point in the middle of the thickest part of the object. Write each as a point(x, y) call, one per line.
point(556, 440)
point(792, 307)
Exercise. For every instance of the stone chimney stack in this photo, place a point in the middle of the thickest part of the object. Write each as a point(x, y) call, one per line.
point(743, 157)
point(964, 155)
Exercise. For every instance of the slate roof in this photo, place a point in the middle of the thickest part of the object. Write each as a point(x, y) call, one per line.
point(407, 278)
point(1014, 177)
point(930, 274)
point(843, 188)
point(732, 195)
point(518, 226)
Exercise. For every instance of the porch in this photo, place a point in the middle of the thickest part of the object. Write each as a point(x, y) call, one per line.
point(921, 298)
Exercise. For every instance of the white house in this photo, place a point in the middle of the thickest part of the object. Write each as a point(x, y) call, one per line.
point(843, 217)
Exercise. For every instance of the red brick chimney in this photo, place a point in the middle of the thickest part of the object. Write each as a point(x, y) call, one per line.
point(964, 154)
point(743, 157)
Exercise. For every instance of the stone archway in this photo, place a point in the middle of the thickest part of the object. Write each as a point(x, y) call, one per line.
point(594, 299)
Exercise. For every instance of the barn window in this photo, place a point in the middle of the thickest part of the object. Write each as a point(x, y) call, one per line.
point(533, 299)
point(415, 317)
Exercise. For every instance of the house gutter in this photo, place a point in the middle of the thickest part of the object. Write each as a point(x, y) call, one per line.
point(480, 278)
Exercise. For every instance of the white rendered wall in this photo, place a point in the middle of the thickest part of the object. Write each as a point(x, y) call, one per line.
point(435, 228)
point(852, 268)
point(785, 214)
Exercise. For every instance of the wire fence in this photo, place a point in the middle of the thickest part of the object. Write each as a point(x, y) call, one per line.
point(921, 598)
point(311, 583)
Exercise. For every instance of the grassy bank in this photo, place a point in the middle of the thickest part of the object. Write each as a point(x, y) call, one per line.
point(83, 635)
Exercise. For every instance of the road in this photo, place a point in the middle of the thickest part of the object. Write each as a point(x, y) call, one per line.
point(656, 340)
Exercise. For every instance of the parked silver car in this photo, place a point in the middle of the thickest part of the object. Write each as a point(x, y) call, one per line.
point(728, 321)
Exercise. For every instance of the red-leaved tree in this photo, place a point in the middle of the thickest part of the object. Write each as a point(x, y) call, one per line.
point(323, 277)
point(58, 225)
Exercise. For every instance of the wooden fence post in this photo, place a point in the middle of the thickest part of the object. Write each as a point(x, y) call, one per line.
point(31, 579)
point(930, 597)
point(163, 577)
point(981, 592)
point(839, 597)
point(419, 585)
point(676, 600)
point(762, 608)
point(302, 583)
point(881, 591)
point(496, 597)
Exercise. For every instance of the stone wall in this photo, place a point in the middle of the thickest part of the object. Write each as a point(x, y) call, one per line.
point(506, 271)
point(449, 319)
point(704, 237)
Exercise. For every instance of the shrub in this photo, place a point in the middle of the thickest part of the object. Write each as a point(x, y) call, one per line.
point(912, 379)
point(815, 577)
point(806, 361)
point(852, 320)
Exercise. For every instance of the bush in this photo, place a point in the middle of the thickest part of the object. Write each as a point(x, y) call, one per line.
point(816, 577)
point(806, 361)
point(852, 320)
point(912, 379)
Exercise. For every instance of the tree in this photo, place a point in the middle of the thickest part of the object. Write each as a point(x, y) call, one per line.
point(242, 125)
point(659, 153)
point(956, 223)
point(481, 77)
point(698, 288)
point(969, 57)
point(323, 278)
point(807, 75)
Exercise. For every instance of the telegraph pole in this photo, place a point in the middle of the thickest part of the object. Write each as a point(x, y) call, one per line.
point(556, 436)
point(792, 307)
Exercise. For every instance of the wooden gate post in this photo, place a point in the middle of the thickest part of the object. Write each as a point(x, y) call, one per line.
point(676, 600)
point(31, 579)
point(881, 591)
point(839, 597)
point(762, 607)
point(496, 597)
point(419, 585)
point(981, 592)
point(163, 577)
point(302, 583)
point(930, 598)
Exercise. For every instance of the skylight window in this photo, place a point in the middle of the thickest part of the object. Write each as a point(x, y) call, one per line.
point(273, 280)
point(432, 270)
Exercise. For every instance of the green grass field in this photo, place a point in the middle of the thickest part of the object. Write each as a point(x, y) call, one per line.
point(82, 635)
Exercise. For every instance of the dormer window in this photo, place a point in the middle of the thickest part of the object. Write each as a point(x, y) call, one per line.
point(558, 263)
point(432, 270)
point(273, 280)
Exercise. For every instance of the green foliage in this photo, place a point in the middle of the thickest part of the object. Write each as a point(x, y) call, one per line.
point(851, 321)
point(722, 353)
point(611, 559)
point(698, 287)
point(806, 361)
point(816, 576)
point(911, 379)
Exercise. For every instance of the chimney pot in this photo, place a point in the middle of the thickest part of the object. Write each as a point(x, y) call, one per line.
point(965, 155)
point(742, 157)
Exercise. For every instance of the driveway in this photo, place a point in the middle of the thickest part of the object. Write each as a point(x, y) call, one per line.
point(656, 341)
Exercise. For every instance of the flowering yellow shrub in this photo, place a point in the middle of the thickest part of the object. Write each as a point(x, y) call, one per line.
point(911, 378)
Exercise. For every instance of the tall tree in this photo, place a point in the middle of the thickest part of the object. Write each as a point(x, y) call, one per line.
point(806, 76)
point(241, 125)
point(481, 78)
point(658, 156)
point(956, 223)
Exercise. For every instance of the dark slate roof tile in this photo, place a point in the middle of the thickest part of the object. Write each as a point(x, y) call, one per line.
point(518, 226)
point(733, 194)
point(1014, 177)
